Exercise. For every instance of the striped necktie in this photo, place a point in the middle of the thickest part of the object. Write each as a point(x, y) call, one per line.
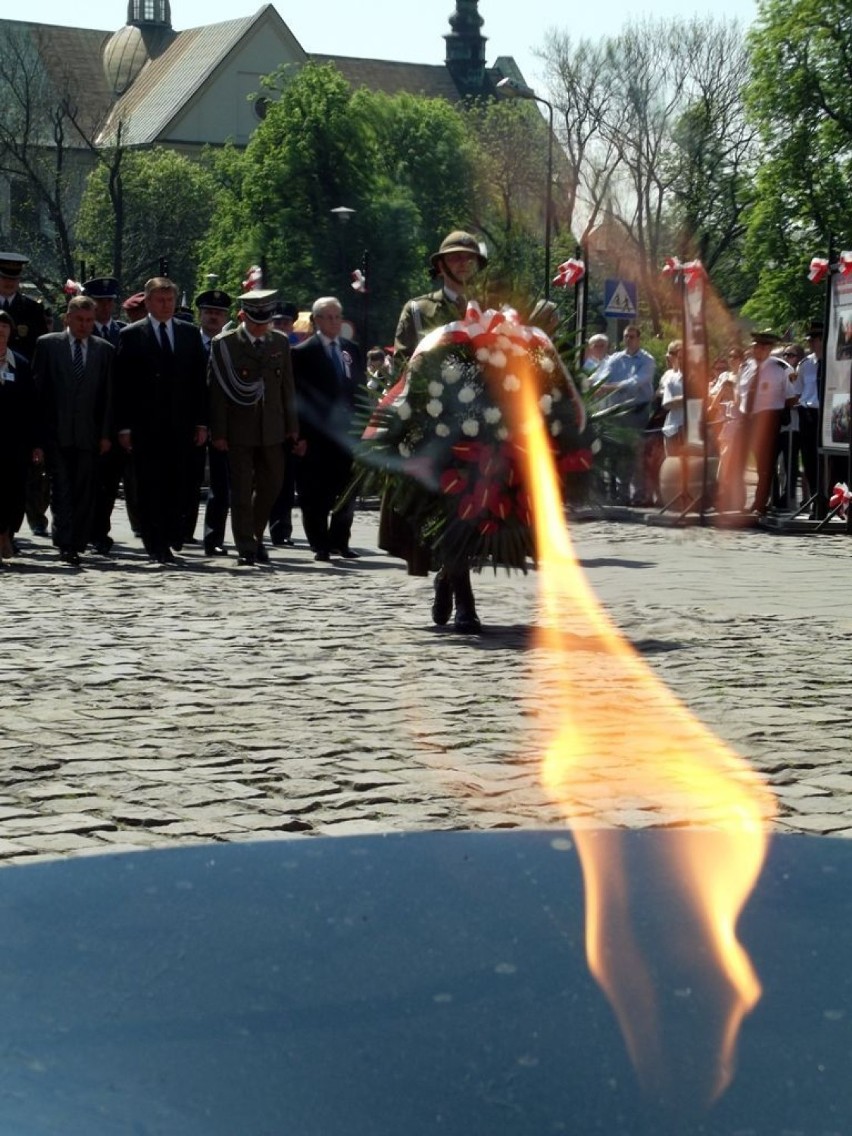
point(78, 360)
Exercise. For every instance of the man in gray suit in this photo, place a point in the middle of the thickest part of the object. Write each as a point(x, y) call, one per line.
point(73, 375)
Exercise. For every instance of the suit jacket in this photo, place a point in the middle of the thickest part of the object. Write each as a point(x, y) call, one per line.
point(110, 332)
point(77, 412)
point(160, 398)
point(30, 322)
point(21, 427)
point(272, 419)
point(325, 405)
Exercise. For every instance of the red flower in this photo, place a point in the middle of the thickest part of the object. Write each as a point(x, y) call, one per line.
point(467, 451)
point(503, 508)
point(490, 462)
point(454, 481)
point(488, 527)
point(467, 508)
point(485, 495)
point(578, 461)
point(522, 508)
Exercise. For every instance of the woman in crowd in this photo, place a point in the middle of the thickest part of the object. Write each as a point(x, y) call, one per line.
point(19, 434)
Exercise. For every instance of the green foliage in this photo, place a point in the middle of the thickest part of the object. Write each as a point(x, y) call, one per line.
point(165, 204)
point(801, 99)
point(402, 163)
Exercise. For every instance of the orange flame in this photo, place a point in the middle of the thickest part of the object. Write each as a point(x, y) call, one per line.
point(625, 753)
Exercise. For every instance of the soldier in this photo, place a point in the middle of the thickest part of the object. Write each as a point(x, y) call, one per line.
point(31, 321)
point(252, 416)
point(104, 291)
point(456, 262)
point(214, 310)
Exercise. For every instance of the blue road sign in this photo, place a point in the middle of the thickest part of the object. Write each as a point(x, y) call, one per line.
point(620, 299)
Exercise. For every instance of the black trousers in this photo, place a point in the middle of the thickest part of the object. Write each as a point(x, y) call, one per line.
point(73, 482)
point(218, 498)
point(163, 472)
point(320, 484)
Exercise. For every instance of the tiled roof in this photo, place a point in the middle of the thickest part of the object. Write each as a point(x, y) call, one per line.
point(72, 59)
point(392, 77)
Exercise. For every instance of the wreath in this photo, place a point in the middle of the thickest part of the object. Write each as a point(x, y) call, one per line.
point(444, 447)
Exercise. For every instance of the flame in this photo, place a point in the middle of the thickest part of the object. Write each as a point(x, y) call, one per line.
point(624, 752)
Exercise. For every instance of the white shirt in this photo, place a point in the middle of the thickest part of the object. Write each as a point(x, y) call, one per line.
point(671, 390)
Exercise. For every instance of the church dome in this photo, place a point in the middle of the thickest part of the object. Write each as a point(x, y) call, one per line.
point(125, 54)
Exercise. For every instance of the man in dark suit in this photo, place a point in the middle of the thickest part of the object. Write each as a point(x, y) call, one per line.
point(214, 309)
point(329, 375)
point(31, 321)
point(73, 376)
point(161, 413)
point(113, 464)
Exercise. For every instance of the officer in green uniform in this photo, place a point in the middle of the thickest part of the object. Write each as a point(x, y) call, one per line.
point(252, 416)
point(454, 265)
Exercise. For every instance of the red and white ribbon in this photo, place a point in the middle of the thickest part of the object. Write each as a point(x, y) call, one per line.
point(569, 273)
point(844, 263)
point(254, 279)
point(840, 498)
point(691, 271)
point(72, 288)
point(818, 270)
point(359, 281)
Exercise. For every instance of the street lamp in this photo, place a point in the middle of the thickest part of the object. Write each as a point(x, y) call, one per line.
point(343, 213)
point(513, 89)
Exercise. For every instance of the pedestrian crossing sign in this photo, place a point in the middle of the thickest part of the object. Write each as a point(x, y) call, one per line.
point(620, 299)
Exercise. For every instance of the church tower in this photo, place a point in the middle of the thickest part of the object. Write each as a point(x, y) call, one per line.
point(465, 58)
point(147, 33)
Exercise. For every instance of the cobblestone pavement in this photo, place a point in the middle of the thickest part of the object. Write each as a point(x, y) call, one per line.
point(142, 705)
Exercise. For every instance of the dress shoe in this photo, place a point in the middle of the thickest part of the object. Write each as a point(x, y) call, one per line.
point(70, 557)
point(246, 560)
point(262, 556)
point(6, 549)
point(39, 529)
point(166, 556)
point(283, 542)
point(324, 556)
point(215, 550)
point(467, 623)
point(442, 605)
point(103, 547)
point(347, 553)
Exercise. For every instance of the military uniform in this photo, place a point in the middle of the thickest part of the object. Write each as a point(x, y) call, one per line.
point(31, 321)
point(422, 315)
point(253, 409)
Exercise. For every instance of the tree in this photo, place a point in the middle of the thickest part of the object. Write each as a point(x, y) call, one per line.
point(165, 201)
point(46, 149)
point(401, 163)
point(800, 95)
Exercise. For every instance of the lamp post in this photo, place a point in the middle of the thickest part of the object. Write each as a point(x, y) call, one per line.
point(513, 89)
point(343, 213)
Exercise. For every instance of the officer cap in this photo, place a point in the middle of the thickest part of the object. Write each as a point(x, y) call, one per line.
point(766, 337)
point(12, 264)
point(286, 310)
point(259, 304)
point(459, 241)
point(137, 300)
point(101, 288)
point(214, 298)
point(816, 329)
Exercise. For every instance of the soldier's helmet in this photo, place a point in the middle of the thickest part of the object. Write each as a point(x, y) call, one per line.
point(460, 241)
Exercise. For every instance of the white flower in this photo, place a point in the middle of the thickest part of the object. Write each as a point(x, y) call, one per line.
point(435, 389)
point(511, 383)
point(483, 354)
point(556, 394)
point(404, 450)
point(451, 372)
point(504, 342)
point(467, 393)
point(492, 414)
point(502, 433)
point(470, 427)
point(498, 359)
point(442, 430)
point(518, 348)
point(547, 364)
point(404, 410)
point(434, 408)
point(545, 404)
point(555, 427)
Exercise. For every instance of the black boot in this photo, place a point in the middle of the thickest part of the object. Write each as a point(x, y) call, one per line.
point(466, 621)
point(442, 605)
